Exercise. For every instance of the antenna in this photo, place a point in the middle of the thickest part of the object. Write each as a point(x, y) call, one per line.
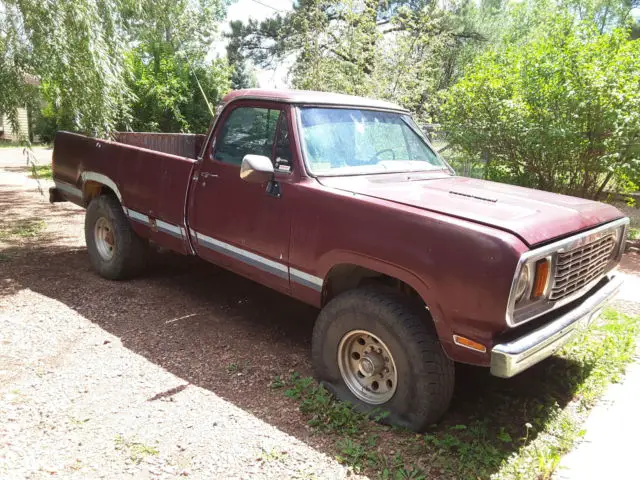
point(201, 90)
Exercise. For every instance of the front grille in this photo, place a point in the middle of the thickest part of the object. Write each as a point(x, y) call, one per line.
point(582, 265)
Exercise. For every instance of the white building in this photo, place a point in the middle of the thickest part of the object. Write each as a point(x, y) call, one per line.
point(7, 132)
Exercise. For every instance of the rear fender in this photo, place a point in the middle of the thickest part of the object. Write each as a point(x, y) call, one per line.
point(92, 183)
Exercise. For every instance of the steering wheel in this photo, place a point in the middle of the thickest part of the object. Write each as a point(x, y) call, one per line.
point(377, 154)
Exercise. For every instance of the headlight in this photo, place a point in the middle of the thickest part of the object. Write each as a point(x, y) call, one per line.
point(532, 281)
point(523, 283)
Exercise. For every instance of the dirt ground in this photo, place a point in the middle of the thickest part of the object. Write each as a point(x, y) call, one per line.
point(160, 377)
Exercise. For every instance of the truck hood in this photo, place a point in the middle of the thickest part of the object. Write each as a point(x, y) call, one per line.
point(533, 215)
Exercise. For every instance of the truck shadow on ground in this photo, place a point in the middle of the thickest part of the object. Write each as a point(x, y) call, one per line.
point(231, 336)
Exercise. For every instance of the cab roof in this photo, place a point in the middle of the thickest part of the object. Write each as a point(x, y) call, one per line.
point(308, 97)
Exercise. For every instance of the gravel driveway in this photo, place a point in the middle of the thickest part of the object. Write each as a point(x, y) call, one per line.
point(165, 376)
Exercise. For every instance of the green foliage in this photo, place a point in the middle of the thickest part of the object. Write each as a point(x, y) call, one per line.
point(103, 64)
point(243, 75)
point(75, 49)
point(168, 98)
point(172, 39)
point(560, 112)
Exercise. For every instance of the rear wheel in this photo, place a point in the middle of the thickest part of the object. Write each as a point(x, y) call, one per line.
point(116, 252)
point(378, 350)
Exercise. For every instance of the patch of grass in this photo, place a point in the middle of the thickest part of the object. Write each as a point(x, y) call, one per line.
point(603, 352)
point(633, 234)
point(326, 414)
point(136, 451)
point(29, 228)
point(41, 172)
point(498, 429)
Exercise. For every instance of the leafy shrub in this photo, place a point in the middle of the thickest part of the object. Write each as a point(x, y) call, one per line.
point(559, 112)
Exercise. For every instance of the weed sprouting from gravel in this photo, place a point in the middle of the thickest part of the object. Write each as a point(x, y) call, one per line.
point(497, 429)
point(277, 382)
point(136, 451)
point(78, 421)
point(238, 367)
point(272, 455)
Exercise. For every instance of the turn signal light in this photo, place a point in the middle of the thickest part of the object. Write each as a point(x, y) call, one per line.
point(465, 342)
point(541, 278)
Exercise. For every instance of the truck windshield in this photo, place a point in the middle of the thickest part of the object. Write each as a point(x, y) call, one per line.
point(338, 141)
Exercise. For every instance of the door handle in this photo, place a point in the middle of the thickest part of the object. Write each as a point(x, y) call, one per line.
point(208, 175)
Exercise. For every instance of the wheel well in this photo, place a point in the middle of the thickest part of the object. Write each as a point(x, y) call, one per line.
point(93, 189)
point(349, 276)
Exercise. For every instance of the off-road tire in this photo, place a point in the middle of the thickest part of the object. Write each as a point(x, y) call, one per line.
point(130, 252)
point(425, 374)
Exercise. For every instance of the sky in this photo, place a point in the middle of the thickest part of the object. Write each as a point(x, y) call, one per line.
point(258, 10)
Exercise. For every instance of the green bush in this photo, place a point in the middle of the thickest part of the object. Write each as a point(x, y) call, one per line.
point(559, 112)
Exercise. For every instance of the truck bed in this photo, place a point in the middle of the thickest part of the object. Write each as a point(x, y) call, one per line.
point(180, 144)
point(148, 172)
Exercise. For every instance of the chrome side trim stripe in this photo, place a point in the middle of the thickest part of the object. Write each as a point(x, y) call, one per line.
point(169, 229)
point(245, 256)
point(306, 279)
point(68, 189)
point(250, 258)
point(162, 226)
point(260, 262)
point(137, 216)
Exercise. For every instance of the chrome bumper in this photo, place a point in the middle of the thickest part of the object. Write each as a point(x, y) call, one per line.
point(510, 358)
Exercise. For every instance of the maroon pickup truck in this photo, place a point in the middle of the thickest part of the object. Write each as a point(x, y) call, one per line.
point(342, 203)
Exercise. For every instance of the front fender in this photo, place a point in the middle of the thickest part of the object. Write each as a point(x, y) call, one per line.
point(425, 287)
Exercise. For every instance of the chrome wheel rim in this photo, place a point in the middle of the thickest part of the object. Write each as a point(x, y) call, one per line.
point(104, 238)
point(367, 367)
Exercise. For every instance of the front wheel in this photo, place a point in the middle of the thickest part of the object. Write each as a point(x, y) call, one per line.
point(374, 348)
point(115, 251)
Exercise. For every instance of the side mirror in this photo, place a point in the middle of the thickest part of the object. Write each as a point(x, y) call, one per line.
point(256, 169)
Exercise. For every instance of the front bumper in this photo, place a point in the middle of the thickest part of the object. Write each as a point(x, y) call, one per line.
point(514, 356)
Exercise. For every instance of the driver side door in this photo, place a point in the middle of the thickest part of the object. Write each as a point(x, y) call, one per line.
point(239, 225)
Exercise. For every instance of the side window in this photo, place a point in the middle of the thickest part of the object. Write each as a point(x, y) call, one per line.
point(283, 161)
point(246, 130)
